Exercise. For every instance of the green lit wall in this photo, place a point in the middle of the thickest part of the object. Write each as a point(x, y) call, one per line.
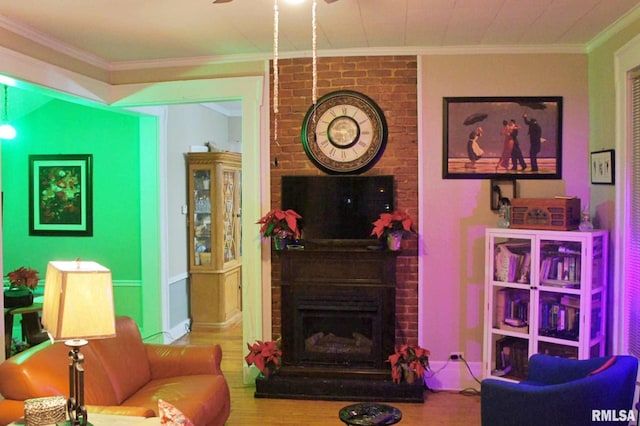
point(113, 138)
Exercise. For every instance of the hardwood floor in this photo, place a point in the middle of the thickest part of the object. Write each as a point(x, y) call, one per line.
point(439, 408)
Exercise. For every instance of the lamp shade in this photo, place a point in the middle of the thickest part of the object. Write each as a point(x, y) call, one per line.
point(78, 301)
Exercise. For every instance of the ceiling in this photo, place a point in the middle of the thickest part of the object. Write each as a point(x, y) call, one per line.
point(116, 32)
point(129, 34)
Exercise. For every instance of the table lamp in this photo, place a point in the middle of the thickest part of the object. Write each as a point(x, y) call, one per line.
point(78, 305)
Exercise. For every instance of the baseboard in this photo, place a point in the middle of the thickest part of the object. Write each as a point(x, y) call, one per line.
point(177, 331)
point(453, 375)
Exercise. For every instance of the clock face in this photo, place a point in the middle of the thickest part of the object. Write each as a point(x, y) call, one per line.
point(345, 132)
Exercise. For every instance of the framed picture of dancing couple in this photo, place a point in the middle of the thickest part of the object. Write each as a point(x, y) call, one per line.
point(502, 137)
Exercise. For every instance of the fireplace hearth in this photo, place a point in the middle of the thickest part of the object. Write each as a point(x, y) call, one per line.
point(338, 327)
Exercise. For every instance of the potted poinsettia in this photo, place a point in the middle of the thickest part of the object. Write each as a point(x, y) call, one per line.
point(22, 282)
point(265, 355)
point(281, 225)
point(409, 362)
point(393, 227)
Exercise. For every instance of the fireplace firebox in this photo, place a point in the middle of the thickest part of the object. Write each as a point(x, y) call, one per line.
point(336, 327)
point(338, 311)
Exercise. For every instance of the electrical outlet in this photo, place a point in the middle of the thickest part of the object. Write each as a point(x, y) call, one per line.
point(456, 356)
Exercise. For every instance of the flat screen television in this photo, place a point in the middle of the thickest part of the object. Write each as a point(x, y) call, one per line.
point(337, 207)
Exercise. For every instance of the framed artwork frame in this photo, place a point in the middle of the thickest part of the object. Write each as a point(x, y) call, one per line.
point(498, 196)
point(61, 195)
point(603, 167)
point(533, 124)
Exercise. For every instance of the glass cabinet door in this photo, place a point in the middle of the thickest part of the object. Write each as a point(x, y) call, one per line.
point(511, 300)
point(202, 216)
point(231, 214)
point(560, 279)
point(571, 302)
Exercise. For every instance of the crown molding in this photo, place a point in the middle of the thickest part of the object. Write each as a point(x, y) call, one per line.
point(632, 16)
point(368, 51)
point(52, 43)
point(81, 55)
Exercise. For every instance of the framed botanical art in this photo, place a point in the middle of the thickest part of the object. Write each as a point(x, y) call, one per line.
point(603, 167)
point(502, 138)
point(60, 195)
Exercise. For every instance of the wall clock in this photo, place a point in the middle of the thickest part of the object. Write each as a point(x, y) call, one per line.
point(345, 132)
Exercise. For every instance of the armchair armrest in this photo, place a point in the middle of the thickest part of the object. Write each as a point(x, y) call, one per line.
point(171, 361)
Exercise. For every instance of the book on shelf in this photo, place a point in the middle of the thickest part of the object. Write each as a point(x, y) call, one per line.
point(511, 358)
point(557, 319)
point(561, 268)
point(570, 300)
point(511, 309)
point(524, 328)
point(499, 305)
point(559, 283)
point(512, 262)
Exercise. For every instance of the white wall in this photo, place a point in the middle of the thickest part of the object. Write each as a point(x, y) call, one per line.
point(187, 125)
point(455, 213)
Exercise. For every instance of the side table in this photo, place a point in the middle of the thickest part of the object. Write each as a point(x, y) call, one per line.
point(370, 414)
point(9, 314)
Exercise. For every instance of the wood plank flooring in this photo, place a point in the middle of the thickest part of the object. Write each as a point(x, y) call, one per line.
point(439, 408)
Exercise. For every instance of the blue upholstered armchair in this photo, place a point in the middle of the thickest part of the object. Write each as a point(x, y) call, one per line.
point(561, 392)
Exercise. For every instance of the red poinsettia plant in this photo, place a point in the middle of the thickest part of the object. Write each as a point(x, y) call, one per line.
point(397, 220)
point(280, 223)
point(408, 358)
point(265, 355)
point(23, 277)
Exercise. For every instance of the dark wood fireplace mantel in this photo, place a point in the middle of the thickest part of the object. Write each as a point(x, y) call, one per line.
point(338, 326)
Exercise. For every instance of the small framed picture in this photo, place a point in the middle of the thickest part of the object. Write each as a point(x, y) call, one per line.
point(603, 167)
point(60, 195)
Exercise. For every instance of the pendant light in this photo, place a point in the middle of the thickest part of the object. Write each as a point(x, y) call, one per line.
point(7, 131)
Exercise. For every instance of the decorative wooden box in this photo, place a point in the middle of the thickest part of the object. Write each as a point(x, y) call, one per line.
point(557, 214)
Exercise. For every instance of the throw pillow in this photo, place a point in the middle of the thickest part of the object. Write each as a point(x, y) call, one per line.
point(170, 415)
point(608, 363)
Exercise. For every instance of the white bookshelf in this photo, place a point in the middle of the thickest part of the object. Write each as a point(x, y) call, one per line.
point(545, 292)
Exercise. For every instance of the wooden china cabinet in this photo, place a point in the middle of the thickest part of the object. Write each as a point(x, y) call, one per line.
point(214, 238)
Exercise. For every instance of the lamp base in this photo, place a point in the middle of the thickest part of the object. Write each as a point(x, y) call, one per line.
point(76, 410)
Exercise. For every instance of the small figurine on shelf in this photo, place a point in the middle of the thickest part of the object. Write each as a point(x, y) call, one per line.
point(504, 214)
point(585, 220)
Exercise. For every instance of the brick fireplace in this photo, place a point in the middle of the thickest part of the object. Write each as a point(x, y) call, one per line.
point(391, 82)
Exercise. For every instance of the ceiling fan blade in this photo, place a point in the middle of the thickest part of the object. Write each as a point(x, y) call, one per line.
point(229, 1)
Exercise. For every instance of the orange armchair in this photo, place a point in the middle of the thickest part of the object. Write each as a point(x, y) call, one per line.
point(123, 376)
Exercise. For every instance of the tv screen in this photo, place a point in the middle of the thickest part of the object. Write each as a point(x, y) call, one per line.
point(337, 207)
